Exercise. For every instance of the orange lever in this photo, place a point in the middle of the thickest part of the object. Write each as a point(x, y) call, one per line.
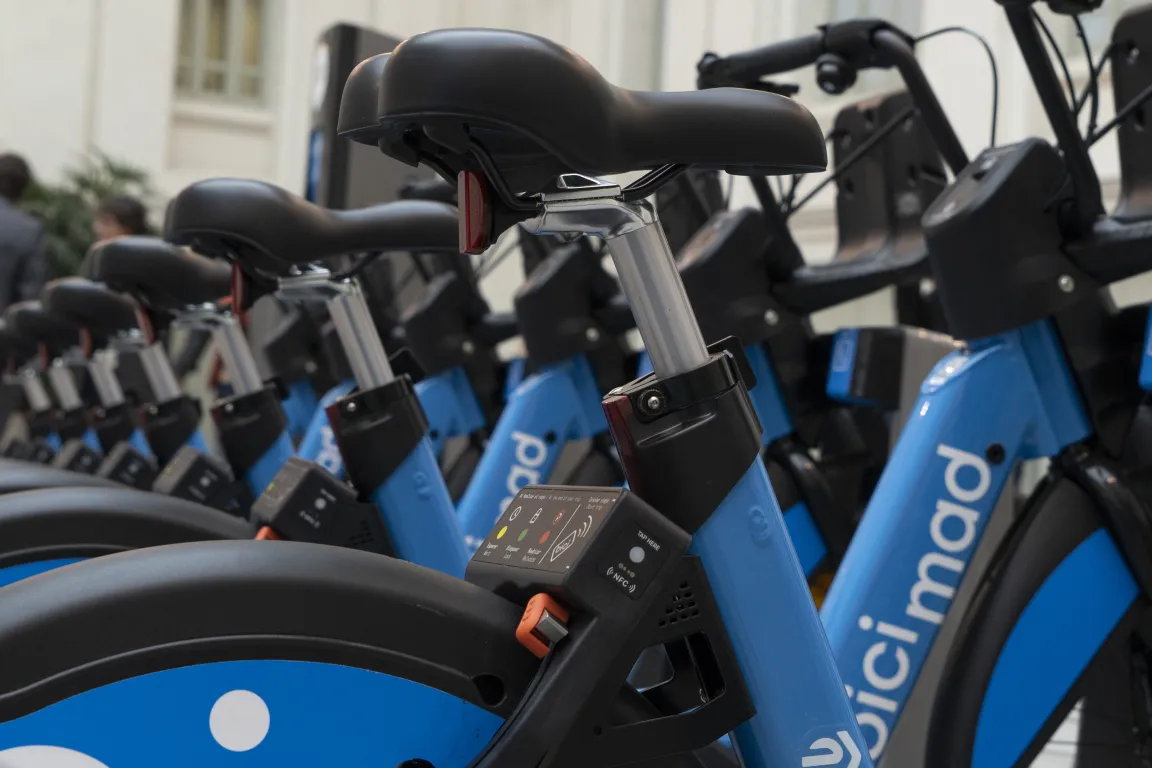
point(267, 534)
point(543, 624)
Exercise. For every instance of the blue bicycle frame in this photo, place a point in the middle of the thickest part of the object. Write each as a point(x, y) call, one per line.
point(451, 406)
point(802, 716)
point(554, 405)
point(776, 422)
point(1011, 395)
point(319, 443)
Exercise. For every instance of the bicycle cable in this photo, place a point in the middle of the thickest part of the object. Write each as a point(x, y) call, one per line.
point(1093, 86)
point(991, 61)
point(1059, 54)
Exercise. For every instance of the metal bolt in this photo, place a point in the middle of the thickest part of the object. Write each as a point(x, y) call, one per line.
point(101, 413)
point(229, 407)
point(1066, 283)
point(927, 287)
point(771, 317)
point(592, 334)
point(468, 347)
point(652, 401)
point(350, 408)
point(153, 410)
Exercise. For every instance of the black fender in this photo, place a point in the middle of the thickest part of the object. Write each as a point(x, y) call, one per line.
point(17, 475)
point(164, 607)
point(55, 523)
point(1060, 515)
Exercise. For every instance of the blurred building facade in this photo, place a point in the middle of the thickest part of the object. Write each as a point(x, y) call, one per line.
point(195, 88)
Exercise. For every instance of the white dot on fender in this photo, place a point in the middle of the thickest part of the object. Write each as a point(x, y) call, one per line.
point(239, 721)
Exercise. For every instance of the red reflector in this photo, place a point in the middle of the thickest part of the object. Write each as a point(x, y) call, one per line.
point(472, 192)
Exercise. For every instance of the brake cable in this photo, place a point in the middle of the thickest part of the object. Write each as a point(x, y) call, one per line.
point(789, 207)
point(991, 61)
point(1059, 54)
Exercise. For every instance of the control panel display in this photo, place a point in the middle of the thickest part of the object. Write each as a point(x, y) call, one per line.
point(547, 529)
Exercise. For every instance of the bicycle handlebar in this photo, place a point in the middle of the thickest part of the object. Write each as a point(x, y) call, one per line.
point(901, 55)
point(784, 56)
point(862, 44)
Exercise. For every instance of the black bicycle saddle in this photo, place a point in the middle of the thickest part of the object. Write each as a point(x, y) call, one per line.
point(30, 320)
point(538, 110)
point(269, 229)
point(157, 274)
point(90, 305)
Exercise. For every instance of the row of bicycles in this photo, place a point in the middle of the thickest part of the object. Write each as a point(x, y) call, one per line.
point(737, 546)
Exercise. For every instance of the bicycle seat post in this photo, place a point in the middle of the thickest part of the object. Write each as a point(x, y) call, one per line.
point(103, 371)
point(34, 391)
point(644, 263)
point(158, 371)
point(361, 341)
point(230, 343)
point(64, 385)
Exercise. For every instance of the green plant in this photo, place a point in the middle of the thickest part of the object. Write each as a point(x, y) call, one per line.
point(67, 208)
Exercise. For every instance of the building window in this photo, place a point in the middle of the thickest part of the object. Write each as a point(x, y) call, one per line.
point(222, 50)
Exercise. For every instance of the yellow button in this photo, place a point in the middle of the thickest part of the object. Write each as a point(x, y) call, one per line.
point(503, 531)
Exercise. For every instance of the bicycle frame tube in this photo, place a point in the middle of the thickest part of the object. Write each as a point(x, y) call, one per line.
point(319, 443)
point(138, 441)
point(451, 406)
point(556, 404)
point(1007, 398)
point(800, 707)
point(92, 440)
point(264, 470)
point(299, 406)
point(196, 440)
point(420, 516)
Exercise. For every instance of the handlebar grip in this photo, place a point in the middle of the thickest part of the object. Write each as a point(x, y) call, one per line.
point(897, 49)
point(783, 56)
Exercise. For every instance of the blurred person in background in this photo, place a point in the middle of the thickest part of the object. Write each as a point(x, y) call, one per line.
point(120, 216)
point(22, 259)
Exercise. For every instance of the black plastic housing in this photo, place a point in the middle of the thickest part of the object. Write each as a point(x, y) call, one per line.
point(686, 459)
point(556, 307)
point(1131, 75)
point(377, 430)
point(618, 566)
point(169, 425)
point(994, 241)
point(195, 476)
point(113, 425)
point(726, 275)
point(71, 424)
point(77, 456)
point(306, 502)
point(128, 466)
point(443, 331)
point(248, 426)
point(438, 327)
